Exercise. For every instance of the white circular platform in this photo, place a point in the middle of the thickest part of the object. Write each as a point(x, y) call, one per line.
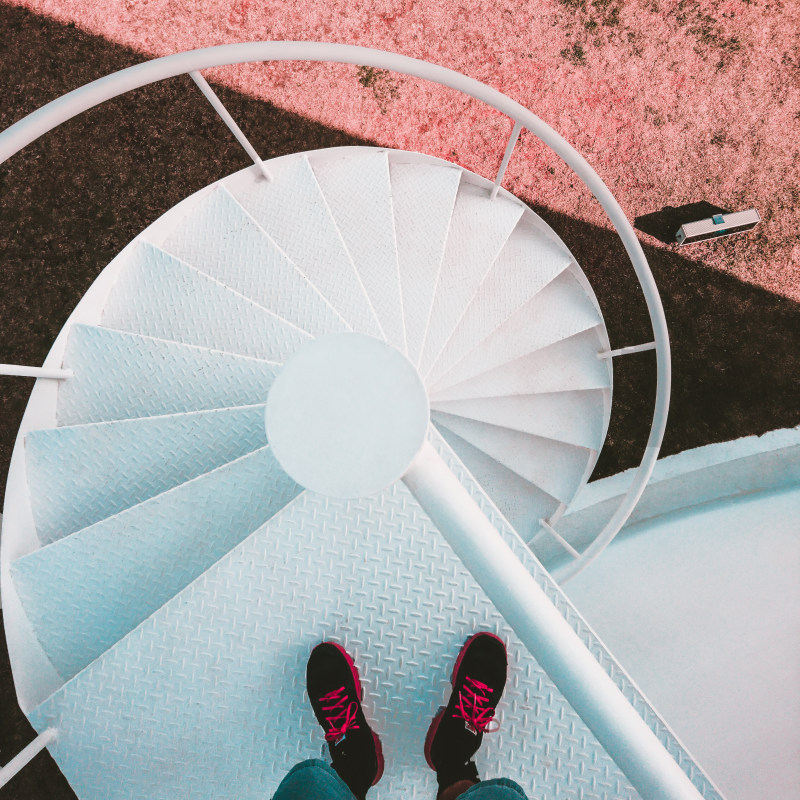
point(347, 415)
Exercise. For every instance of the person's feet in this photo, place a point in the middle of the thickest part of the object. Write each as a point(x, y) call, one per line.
point(335, 693)
point(456, 732)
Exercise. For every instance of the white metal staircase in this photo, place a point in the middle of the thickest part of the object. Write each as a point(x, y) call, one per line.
point(164, 578)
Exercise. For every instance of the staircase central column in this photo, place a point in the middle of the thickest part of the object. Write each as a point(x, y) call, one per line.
point(346, 415)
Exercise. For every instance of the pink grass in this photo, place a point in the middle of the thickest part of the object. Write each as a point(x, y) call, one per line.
point(671, 102)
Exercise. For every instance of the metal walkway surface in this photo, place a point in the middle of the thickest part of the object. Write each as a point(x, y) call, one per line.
point(172, 617)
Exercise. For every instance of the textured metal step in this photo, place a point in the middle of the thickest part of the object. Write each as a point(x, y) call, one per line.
point(577, 418)
point(126, 567)
point(218, 237)
point(568, 365)
point(423, 198)
point(520, 502)
point(528, 261)
point(123, 375)
point(293, 212)
point(158, 295)
point(560, 310)
point(82, 474)
point(478, 230)
point(359, 197)
point(216, 677)
point(554, 467)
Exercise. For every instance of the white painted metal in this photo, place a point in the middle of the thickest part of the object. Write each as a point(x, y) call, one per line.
point(25, 756)
point(479, 227)
point(218, 237)
point(216, 103)
point(73, 103)
point(711, 633)
point(423, 201)
point(229, 654)
point(292, 210)
point(522, 503)
point(560, 310)
point(624, 351)
point(569, 417)
point(81, 474)
point(512, 141)
point(647, 454)
point(545, 633)
point(565, 366)
point(125, 375)
point(22, 371)
point(159, 296)
point(554, 467)
point(124, 568)
point(528, 261)
point(359, 197)
point(559, 538)
point(346, 415)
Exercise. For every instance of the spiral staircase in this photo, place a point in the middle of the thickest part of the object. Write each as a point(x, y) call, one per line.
point(165, 574)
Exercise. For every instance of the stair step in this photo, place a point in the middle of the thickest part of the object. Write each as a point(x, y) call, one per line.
point(527, 263)
point(423, 198)
point(219, 238)
point(576, 418)
point(568, 365)
point(157, 295)
point(126, 567)
point(359, 197)
point(82, 474)
point(560, 310)
point(293, 212)
point(520, 502)
point(554, 467)
point(478, 230)
point(123, 375)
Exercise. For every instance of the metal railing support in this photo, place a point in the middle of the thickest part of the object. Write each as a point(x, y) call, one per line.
point(27, 755)
point(512, 141)
point(559, 538)
point(21, 371)
point(212, 98)
point(548, 637)
point(624, 351)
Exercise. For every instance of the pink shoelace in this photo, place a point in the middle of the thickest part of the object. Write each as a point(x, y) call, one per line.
point(344, 719)
point(471, 706)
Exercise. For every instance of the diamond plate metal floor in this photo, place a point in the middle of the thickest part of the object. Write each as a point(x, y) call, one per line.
point(77, 476)
point(209, 691)
point(124, 568)
point(123, 375)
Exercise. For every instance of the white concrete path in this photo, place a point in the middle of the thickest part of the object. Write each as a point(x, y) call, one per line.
point(702, 606)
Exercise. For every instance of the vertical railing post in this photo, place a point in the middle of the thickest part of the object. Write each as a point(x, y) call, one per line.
point(512, 141)
point(27, 755)
point(212, 98)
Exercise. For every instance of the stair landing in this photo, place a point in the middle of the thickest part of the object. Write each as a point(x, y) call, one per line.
point(374, 575)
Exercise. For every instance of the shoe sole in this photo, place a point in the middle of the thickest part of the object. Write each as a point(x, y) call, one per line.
point(434, 726)
point(360, 690)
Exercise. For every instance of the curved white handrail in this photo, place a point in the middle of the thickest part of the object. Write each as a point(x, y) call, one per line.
point(73, 103)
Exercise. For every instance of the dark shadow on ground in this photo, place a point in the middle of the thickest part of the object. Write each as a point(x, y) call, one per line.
point(72, 200)
point(664, 224)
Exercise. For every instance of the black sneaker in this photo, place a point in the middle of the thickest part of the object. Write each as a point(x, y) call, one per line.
point(335, 693)
point(456, 732)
